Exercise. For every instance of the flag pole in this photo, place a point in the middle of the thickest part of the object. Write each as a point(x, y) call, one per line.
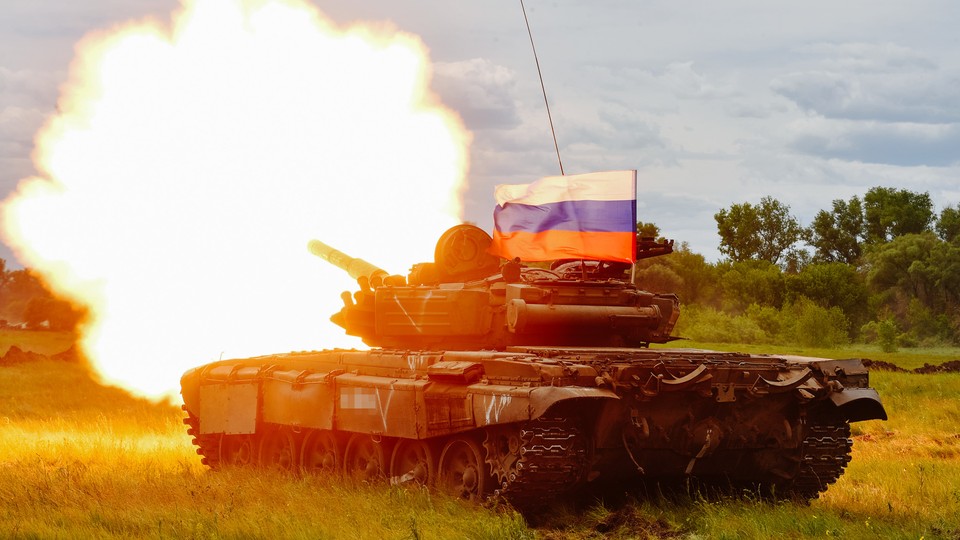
point(542, 87)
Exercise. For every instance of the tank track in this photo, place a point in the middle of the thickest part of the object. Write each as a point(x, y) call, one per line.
point(824, 455)
point(208, 446)
point(552, 458)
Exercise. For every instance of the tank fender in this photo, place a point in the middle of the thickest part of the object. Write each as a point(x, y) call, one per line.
point(856, 404)
point(500, 404)
point(229, 398)
point(545, 397)
point(190, 389)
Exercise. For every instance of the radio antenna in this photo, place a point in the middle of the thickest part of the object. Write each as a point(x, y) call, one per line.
point(542, 87)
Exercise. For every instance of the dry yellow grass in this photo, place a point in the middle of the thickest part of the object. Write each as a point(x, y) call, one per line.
point(39, 342)
point(81, 460)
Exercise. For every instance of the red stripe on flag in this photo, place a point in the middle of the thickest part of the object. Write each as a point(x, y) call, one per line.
point(553, 245)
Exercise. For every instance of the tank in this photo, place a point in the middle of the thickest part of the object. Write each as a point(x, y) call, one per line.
point(528, 382)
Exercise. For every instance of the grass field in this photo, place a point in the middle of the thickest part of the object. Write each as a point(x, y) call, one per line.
point(81, 460)
point(39, 342)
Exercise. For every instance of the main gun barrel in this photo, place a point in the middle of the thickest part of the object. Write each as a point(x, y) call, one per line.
point(354, 266)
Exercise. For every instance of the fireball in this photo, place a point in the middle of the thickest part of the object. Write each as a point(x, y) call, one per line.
point(190, 161)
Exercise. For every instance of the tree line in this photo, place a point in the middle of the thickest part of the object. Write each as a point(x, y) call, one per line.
point(883, 268)
point(26, 303)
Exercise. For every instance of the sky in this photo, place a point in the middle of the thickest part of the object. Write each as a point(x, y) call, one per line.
point(714, 103)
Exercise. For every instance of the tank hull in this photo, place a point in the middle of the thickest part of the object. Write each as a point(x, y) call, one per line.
point(532, 423)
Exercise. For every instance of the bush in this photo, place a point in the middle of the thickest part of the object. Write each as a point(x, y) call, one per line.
point(883, 332)
point(658, 278)
point(769, 319)
point(816, 326)
point(707, 324)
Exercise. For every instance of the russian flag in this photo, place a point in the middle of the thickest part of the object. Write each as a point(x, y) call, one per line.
point(584, 216)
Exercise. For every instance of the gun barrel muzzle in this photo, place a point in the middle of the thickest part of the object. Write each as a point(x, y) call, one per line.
point(353, 266)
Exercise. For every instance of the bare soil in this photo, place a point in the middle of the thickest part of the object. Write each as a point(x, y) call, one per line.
point(951, 366)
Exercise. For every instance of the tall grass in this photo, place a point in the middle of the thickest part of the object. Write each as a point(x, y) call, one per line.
point(905, 358)
point(39, 342)
point(81, 460)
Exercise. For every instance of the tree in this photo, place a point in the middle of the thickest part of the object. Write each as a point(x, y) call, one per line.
point(659, 278)
point(56, 315)
point(918, 278)
point(647, 230)
point(698, 278)
point(765, 231)
point(751, 282)
point(25, 298)
point(831, 284)
point(889, 213)
point(836, 236)
point(902, 265)
point(948, 226)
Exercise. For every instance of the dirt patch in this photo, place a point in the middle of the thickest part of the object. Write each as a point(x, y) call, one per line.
point(880, 365)
point(952, 366)
point(15, 355)
point(71, 355)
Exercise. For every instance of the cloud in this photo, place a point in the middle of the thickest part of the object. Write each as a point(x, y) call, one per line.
point(882, 82)
point(684, 81)
point(874, 103)
point(926, 98)
point(902, 144)
point(26, 99)
point(481, 91)
point(28, 88)
point(867, 57)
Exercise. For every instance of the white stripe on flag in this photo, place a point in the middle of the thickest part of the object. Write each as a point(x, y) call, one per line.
point(599, 186)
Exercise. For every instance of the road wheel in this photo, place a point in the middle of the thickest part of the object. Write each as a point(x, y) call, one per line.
point(461, 470)
point(413, 461)
point(237, 450)
point(364, 457)
point(278, 450)
point(321, 453)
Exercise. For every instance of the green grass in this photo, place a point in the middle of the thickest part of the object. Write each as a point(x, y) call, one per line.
point(39, 342)
point(81, 460)
point(905, 358)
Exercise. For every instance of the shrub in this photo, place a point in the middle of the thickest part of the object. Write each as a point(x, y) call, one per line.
point(707, 324)
point(769, 319)
point(659, 278)
point(816, 326)
point(883, 332)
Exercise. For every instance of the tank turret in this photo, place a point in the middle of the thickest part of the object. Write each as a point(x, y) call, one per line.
point(465, 299)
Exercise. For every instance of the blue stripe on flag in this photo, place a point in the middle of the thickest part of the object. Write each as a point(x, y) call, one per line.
point(586, 216)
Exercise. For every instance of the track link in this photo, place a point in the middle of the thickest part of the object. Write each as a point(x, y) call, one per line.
point(824, 455)
point(208, 446)
point(552, 457)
